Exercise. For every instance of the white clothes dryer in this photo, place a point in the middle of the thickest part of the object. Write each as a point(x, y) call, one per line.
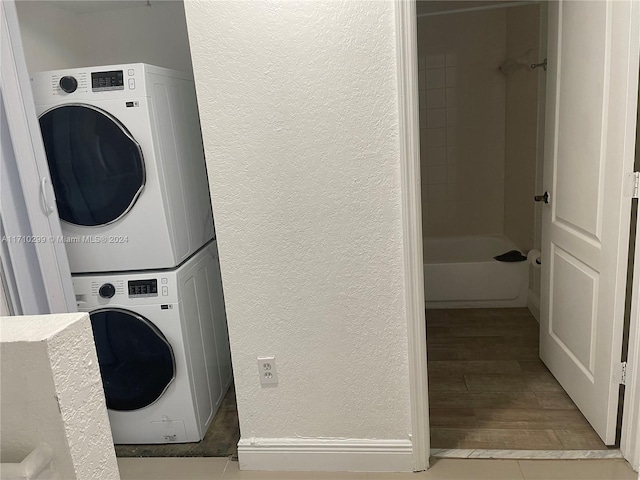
point(125, 153)
point(162, 345)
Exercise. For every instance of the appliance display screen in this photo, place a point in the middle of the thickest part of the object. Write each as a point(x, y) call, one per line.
point(101, 81)
point(143, 288)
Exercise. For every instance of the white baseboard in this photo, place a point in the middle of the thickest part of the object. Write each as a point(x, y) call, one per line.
point(325, 454)
point(533, 304)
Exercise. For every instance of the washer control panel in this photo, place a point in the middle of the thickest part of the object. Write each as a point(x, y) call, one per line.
point(143, 288)
point(158, 288)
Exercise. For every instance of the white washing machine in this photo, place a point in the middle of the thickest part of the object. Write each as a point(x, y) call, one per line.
point(127, 165)
point(163, 349)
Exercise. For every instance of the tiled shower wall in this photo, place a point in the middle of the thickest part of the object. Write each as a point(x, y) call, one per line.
point(462, 122)
point(523, 33)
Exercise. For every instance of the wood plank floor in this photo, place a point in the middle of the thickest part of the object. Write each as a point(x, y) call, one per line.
point(488, 388)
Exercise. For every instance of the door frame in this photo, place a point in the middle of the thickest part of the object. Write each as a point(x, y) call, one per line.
point(406, 27)
point(630, 441)
point(411, 201)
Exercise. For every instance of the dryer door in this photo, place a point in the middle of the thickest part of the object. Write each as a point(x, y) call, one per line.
point(136, 361)
point(96, 166)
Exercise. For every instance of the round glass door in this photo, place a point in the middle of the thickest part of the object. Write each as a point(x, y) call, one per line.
point(96, 166)
point(136, 361)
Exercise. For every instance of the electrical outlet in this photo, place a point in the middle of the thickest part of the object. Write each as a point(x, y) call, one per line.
point(267, 370)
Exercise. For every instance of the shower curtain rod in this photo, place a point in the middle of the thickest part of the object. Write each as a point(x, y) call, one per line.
point(477, 9)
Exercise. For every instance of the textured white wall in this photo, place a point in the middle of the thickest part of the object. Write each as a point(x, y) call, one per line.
point(56, 38)
point(29, 410)
point(299, 115)
point(51, 392)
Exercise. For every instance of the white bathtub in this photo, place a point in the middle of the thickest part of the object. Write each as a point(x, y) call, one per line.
point(460, 272)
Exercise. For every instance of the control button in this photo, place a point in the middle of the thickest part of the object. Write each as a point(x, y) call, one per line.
point(164, 281)
point(130, 72)
point(132, 84)
point(107, 290)
point(165, 291)
point(68, 84)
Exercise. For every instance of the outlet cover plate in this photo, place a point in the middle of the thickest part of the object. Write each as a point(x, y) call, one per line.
point(267, 371)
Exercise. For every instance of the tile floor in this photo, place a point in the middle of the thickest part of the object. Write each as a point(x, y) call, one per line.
point(443, 469)
point(489, 390)
point(221, 440)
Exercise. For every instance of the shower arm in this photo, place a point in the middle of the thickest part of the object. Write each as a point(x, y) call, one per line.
point(538, 65)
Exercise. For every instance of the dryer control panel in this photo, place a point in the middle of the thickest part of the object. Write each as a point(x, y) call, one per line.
point(106, 81)
point(119, 82)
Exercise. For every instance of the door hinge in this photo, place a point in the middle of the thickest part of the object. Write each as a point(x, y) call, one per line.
point(621, 374)
point(632, 185)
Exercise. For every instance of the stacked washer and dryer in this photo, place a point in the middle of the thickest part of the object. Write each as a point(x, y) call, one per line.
point(127, 165)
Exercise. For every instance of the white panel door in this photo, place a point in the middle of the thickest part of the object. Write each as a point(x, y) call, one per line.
point(32, 256)
point(592, 85)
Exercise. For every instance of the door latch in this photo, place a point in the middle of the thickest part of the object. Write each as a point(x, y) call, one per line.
point(542, 198)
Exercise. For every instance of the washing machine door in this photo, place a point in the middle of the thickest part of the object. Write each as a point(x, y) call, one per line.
point(136, 361)
point(97, 167)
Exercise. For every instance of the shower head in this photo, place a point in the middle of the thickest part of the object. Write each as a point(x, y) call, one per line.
point(510, 66)
point(522, 62)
